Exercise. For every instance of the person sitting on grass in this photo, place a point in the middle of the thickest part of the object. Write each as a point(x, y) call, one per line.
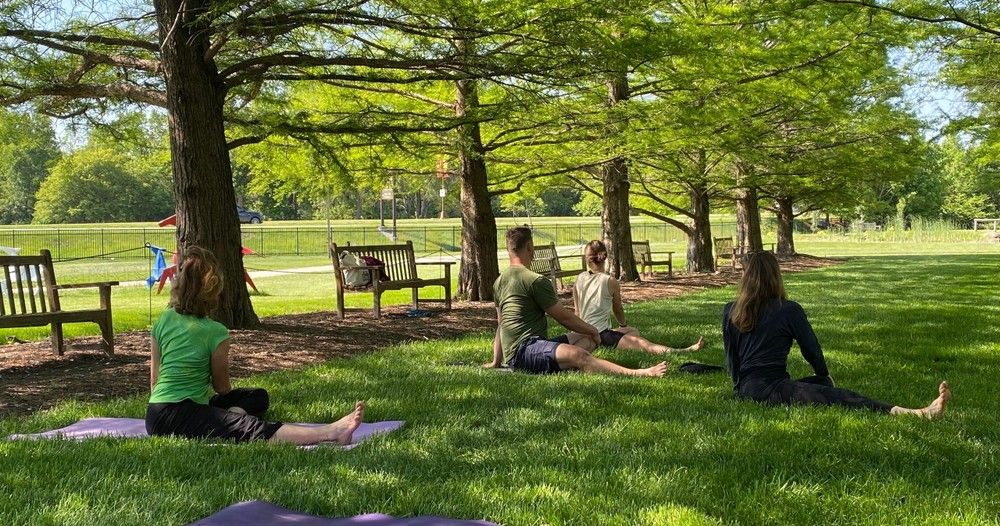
point(596, 296)
point(757, 332)
point(523, 298)
point(190, 359)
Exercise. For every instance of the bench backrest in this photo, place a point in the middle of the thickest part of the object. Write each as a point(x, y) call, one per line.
point(27, 285)
point(640, 249)
point(723, 247)
point(400, 263)
point(546, 259)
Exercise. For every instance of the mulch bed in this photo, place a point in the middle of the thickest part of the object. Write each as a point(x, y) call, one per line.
point(32, 378)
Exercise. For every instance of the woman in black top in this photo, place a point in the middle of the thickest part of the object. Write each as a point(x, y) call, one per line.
point(757, 331)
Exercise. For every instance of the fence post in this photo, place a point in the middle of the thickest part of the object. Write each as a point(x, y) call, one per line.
point(297, 241)
point(425, 239)
point(58, 244)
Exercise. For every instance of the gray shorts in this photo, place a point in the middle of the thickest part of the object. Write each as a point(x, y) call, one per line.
point(538, 355)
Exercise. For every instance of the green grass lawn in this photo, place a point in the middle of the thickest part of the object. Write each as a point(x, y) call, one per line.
point(580, 449)
point(134, 307)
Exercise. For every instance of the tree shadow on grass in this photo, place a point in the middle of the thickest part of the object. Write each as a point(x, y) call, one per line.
point(584, 449)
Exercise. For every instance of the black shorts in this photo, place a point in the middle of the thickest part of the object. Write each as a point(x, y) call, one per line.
point(611, 337)
point(190, 419)
point(538, 355)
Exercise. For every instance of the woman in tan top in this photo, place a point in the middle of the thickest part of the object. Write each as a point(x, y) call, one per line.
point(597, 296)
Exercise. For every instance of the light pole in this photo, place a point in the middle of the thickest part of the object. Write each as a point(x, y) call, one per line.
point(393, 207)
point(442, 175)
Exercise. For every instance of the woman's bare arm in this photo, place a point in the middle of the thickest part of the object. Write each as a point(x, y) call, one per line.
point(220, 368)
point(154, 363)
point(616, 302)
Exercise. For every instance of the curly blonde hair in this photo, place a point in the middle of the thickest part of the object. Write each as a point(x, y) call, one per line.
point(199, 283)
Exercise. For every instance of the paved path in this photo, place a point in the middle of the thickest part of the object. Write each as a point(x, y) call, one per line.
point(322, 269)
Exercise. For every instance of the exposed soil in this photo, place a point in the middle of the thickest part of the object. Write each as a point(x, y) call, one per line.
point(32, 378)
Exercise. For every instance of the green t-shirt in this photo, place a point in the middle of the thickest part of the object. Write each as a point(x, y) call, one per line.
point(522, 297)
point(186, 346)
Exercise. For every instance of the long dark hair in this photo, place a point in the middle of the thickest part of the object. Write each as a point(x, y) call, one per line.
point(761, 283)
point(199, 283)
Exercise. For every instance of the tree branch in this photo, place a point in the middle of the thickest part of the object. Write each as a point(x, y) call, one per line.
point(669, 220)
point(25, 34)
point(922, 18)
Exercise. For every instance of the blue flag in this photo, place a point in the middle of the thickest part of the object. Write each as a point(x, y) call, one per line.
point(159, 265)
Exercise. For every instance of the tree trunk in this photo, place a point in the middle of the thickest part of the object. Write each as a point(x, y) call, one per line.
point(359, 204)
point(203, 175)
point(748, 219)
point(786, 227)
point(615, 220)
point(699, 250)
point(479, 268)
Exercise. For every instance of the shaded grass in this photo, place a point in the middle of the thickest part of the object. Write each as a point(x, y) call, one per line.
point(579, 449)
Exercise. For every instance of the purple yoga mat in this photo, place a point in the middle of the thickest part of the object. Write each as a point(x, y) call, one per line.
point(136, 428)
point(258, 513)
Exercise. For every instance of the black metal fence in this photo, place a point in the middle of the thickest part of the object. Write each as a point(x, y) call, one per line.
point(126, 243)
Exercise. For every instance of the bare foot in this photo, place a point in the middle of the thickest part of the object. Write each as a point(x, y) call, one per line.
point(659, 369)
point(936, 409)
point(342, 430)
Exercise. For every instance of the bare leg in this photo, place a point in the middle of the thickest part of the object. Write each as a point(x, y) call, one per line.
point(632, 340)
point(933, 411)
point(340, 431)
point(573, 357)
point(581, 341)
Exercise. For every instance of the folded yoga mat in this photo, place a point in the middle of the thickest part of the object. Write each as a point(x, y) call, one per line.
point(258, 513)
point(136, 428)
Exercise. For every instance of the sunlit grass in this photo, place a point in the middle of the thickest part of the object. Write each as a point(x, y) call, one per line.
point(579, 449)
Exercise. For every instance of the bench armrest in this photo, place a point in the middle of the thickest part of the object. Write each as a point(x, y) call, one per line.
point(86, 285)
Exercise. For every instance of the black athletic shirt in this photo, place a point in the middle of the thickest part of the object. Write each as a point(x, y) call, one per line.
point(763, 352)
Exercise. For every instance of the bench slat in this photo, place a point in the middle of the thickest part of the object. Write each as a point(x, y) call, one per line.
point(20, 289)
point(41, 319)
point(41, 281)
point(9, 287)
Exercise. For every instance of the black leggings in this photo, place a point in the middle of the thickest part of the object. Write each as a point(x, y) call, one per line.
point(812, 390)
point(190, 419)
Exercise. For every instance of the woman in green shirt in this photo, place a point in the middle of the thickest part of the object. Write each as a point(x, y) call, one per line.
point(190, 362)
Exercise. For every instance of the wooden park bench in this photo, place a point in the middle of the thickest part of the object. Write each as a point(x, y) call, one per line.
point(29, 297)
point(401, 269)
point(726, 250)
point(547, 263)
point(645, 257)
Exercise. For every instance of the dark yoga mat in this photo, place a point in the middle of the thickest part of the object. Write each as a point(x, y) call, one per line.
point(136, 428)
point(258, 513)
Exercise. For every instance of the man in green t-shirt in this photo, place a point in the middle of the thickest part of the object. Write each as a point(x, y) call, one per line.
point(523, 298)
